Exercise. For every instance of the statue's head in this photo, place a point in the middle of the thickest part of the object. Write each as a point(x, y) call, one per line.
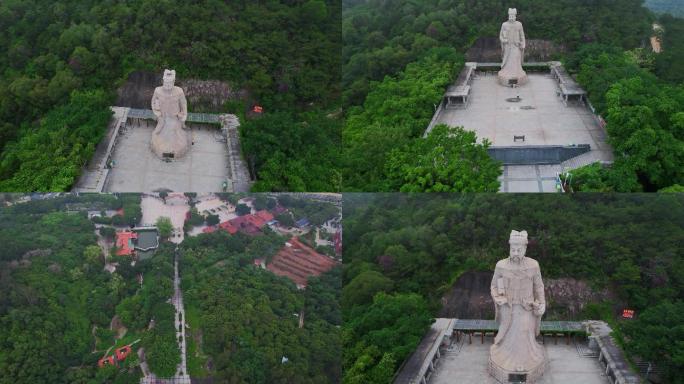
point(518, 243)
point(169, 78)
point(512, 14)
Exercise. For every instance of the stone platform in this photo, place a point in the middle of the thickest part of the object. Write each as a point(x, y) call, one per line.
point(135, 168)
point(540, 115)
point(124, 162)
point(539, 118)
point(467, 364)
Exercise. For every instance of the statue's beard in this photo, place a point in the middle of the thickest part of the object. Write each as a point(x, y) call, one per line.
point(168, 85)
point(516, 259)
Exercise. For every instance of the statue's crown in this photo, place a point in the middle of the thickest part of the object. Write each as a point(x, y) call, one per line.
point(512, 11)
point(518, 237)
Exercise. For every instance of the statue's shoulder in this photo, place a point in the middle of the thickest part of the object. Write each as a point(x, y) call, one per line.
point(502, 264)
point(178, 90)
point(157, 90)
point(531, 263)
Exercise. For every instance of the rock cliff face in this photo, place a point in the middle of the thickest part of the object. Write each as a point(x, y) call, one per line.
point(469, 297)
point(488, 50)
point(202, 95)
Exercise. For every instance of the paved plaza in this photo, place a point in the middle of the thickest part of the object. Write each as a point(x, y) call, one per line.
point(469, 365)
point(529, 178)
point(175, 209)
point(136, 168)
point(212, 205)
point(540, 115)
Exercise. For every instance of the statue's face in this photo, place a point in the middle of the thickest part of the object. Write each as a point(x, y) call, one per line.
point(511, 17)
point(517, 252)
point(169, 79)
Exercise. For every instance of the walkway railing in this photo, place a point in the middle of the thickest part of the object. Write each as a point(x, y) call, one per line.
point(147, 114)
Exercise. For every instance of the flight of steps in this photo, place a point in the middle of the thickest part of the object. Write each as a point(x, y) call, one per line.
point(584, 351)
point(94, 174)
point(586, 159)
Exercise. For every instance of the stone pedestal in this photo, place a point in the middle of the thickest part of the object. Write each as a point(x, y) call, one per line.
point(506, 376)
point(173, 142)
point(510, 79)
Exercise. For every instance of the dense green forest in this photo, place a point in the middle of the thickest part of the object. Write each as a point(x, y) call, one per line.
point(403, 251)
point(65, 56)
point(641, 97)
point(399, 56)
point(244, 321)
point(673, 7)
point(58, 300)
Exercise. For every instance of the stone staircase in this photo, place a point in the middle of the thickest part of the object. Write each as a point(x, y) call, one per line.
point(586, 159)
point(94, 174)
point(583, 350)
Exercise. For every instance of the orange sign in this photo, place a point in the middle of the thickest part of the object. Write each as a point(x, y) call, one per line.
point(257, 109)
point(628, 313)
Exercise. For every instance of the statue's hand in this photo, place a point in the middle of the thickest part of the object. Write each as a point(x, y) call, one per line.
point(500, 300)
point(538, 308)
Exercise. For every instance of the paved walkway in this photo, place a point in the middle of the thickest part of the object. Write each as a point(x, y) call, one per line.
point(94, 174)
point(181, 376)
point(175, 208)
point(182, 370)
point(529, 178)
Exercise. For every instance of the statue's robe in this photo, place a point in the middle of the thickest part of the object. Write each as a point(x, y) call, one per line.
point(512, 39)
point(515, 348)
point(169, 137)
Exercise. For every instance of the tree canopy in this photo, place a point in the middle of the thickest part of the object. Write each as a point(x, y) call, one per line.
point(383, 145)
point(643, 115)
point(247, 319)
point(58, 300)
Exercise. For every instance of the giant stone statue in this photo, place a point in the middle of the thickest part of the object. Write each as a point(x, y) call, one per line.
point(518, 293)
point(512, 39)
point(170, 139)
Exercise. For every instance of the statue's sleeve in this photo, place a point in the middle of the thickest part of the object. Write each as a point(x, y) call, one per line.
point(539, 288)
point(156, 106)
point(183, 114)
point(523, 43)
point(493, 288)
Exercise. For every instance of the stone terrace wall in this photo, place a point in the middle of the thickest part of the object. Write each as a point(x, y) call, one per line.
point(469, 297)
point(202, 95)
